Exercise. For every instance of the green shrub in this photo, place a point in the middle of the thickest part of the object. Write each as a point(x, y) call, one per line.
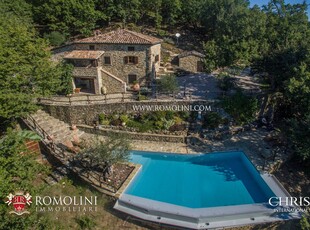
point(225, 81)
point(124, 118)
point(101, 118)
point(162, 33)
point(141, 127)
point(241, 107)
point(167, 123)
point(105, 122)
point(212, 120)
point(159, 124)
point(169, 115)
point(184, 115)
point(85, 222)
point(169, 84)
point(177, 120)
point(304, 223)
point(55, 38)
point(142, 97)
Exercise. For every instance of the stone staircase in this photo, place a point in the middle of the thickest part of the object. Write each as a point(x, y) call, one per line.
point(58, 130)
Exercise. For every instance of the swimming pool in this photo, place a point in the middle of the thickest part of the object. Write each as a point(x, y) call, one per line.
point(198, 181)
point(201, 191)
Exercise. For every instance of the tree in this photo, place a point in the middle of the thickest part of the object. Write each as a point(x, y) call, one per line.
point(212, 60)
point(151, 12)
point(55, 38)
point(242, 108)
point(235, 32)
point(66, 77)
point(170, 11)
point(68, 17)
point(299, 133)
point(304, 222)
point(17, 8)
point(104, 154)
point(18, 170)
point(26, 70)
point(168, 84)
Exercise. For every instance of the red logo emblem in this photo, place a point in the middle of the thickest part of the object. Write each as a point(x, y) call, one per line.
point(19, 201)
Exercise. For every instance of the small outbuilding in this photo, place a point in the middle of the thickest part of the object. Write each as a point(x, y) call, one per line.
point(191, 61)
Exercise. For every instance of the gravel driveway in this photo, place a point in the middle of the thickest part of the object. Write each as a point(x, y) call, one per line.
point(202, 86)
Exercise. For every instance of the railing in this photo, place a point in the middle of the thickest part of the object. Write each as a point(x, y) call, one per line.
point(88, 99)
point(46, 138)
point(115, 98)
point(63, 156)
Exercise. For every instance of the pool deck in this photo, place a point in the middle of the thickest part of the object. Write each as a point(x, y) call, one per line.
point(207, 218)
point(250, 142)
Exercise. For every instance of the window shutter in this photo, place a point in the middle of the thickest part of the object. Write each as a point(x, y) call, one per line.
point(136, 60)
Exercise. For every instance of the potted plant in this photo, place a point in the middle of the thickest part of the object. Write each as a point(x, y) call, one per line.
point(136, 86)
point(77, 90)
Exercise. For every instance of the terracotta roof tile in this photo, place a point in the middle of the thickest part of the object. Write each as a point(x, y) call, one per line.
point(121, 36)
point(84, 54)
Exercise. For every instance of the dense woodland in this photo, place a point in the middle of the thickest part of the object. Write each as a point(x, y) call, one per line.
point(274, 40)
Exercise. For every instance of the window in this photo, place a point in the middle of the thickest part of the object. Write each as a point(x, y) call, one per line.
point(130, 60)
point(91, 47)
point(157, 58)
point(131, 48)
point(107, 60)
point(132, 78)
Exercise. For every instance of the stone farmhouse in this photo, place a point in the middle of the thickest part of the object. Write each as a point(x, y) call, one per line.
point(111, 62)
point(191, 61)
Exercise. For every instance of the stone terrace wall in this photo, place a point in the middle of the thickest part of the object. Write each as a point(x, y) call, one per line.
point(87, 114)
point(135, 135)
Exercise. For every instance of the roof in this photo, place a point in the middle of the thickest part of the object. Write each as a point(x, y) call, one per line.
point(191, 53)
point(121, 36)
point(84, 54)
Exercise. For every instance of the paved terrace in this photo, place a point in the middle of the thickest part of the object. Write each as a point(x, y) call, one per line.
point(250, 142)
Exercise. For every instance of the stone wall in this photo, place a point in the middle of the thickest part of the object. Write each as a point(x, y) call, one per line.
point(87, 114)
point(135, 135)
point(112, 84)
point(85, 72)
point(155, 50)
point(189, 63)
point(145, 53)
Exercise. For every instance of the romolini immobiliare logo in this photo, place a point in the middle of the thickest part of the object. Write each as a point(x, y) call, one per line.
point(20, 201)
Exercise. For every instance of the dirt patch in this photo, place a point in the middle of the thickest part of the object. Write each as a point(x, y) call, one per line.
point(119, 174)
point(295, 177)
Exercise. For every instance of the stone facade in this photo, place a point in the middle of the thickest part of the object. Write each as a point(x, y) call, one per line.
point(135, 60)
point(111, 83)
point(85, 72)
point(191, 61)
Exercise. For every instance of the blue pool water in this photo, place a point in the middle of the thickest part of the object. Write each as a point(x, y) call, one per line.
point(198, 181)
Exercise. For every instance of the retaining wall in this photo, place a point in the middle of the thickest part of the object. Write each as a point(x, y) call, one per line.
point(88, 114)
point(134, 135)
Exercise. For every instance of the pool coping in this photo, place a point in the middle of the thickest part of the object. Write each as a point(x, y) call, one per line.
point(202, 218)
